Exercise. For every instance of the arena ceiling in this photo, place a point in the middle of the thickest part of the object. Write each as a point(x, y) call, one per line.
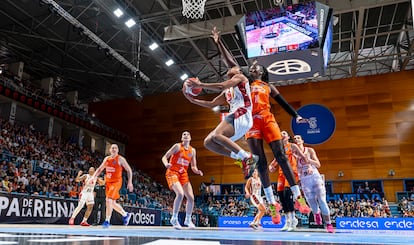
point(370, 37)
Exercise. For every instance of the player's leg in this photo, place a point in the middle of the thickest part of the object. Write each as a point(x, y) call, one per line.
point(320, 193)
point(81, 203)
point(89, 208)
point(179, 195)
point(223, 138)
point(189, 195)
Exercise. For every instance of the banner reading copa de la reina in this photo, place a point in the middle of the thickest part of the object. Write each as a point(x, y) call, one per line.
point(24, 209)
point(399, 224)
point(243, 222)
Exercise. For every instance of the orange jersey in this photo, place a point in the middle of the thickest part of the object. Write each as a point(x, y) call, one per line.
point(113, 169)
point(260, 92)
point(282, 181)
point(181, 159)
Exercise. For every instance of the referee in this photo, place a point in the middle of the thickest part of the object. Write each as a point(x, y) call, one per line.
point(100, 202)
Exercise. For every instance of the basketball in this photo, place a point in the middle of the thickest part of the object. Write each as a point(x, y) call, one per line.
point(194, 91)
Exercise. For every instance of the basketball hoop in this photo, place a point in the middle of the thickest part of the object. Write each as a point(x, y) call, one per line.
point(193, 9)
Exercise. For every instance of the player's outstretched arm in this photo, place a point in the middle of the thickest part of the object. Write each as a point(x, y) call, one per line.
point(228, 59)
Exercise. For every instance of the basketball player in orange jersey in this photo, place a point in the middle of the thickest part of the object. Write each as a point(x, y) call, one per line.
point(253, 190)
point(180, 156)
point(266, 128)
point(283, 190)
point(113, 165)
point(313, 185)
point(236, 92)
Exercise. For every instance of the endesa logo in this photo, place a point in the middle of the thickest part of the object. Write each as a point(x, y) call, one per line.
point(244, 222)
point(375, 223)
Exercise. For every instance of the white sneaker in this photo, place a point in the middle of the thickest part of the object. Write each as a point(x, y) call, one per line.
point(175, 224)
point(287, 225)
point(293, 224)
point(189, 224)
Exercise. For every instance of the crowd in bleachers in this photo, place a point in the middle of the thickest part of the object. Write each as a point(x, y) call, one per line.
point(406, 206)
point(33, 164)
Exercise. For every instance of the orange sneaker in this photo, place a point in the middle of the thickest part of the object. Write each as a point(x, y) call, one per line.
point(301, 206)
point(274, 212)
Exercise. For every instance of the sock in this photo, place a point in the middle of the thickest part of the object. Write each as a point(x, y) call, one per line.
point(295, 191)
point(292, 215)
point(84, 220)
point(269, 195)
point(188, 217)
point(233, 155)
point(108, 218)
point(175, 216)
point(243, 154)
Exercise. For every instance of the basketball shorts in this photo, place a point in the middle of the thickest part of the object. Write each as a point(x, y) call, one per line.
point(312, 185)
point(86, 197)
point(112, 189)
point(264, 127)
point(256, 200)
point(176, 177)
point(241, 123)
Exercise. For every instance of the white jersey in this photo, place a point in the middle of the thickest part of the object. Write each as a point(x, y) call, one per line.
point(256, 185)
point(89, 184)
point(305, 169)
point(239, 97)
point(256, 192)
point(240, 102)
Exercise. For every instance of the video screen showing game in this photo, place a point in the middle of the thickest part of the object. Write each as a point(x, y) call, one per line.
point(281, 29)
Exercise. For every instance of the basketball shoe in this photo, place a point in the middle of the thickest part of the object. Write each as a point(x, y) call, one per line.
point(274, 212)
point(293, 224)
point(84, 223)
point(301, 206)
point(71, 221)
point(329, 228)
point(249, 164)
point(175, 224)
point(106, 224)
point(318, 218)
point(189, 224)
point(287, 224)
point(126, 218)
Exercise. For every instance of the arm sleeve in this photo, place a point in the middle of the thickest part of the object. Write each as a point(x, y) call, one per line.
point(283, 103)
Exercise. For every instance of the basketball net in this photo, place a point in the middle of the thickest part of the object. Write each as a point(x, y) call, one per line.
point(193, 9)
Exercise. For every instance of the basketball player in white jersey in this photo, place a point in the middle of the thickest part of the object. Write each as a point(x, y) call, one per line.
point(236, 92)
point(85, 197)
point(253, 190)
point(313, 185)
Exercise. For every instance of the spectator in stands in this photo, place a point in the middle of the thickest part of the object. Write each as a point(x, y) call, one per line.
point(366, 188)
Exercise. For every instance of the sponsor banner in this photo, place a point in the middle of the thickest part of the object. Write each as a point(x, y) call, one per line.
point(320, 127)
point(353, 196)
point(24, 209)
point(243, 222)
point(375, 223)
point(142, 216)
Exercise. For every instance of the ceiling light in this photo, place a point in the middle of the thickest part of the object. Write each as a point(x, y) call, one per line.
point(130, 23)
point(118, 12)
point(184, 76)
point(169, 62)
point(153, 46)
